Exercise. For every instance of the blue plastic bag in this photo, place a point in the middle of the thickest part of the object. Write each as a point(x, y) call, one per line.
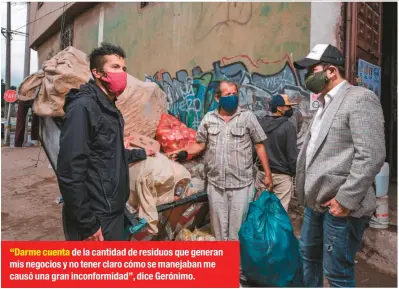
point(270, 255)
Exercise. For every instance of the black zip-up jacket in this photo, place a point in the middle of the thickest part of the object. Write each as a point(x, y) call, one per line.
point(280, 145)
point(92, 165)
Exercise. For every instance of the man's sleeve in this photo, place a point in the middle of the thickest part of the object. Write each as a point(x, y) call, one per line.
point(135, 155)
point(72, 165)
point(202, 132)
point(366, 123)
point(292, 149)
point(256, 131)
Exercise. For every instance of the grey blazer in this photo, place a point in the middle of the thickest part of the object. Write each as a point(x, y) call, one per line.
point(348, 154)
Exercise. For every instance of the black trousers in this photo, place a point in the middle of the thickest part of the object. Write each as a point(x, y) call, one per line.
point(112, 229)
point(23, 108)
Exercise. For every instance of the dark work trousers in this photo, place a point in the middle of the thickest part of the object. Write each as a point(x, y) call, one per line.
point(23, 108)
point(113, 229)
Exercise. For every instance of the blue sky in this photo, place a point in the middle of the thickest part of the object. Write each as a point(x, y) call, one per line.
point(18, 19)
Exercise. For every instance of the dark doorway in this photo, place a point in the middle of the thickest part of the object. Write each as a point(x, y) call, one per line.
point(389, 84)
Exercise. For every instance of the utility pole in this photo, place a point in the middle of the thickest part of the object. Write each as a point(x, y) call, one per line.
point(27, 48)
point(8, 47)
point(8, 71)
point(27, 66)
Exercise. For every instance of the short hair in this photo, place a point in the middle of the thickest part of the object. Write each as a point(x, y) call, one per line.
point(96, 57)
point(341, 69)
point(218, 92)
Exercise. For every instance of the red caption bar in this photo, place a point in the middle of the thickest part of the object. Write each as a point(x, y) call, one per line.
point(119, 264)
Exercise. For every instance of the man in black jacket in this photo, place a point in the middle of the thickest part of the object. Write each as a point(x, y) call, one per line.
point(92, 166)
point(281, 148)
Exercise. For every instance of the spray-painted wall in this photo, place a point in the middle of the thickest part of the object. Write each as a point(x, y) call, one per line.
point(186, 47)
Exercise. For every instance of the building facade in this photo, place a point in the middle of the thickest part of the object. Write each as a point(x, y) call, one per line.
point(185, 47)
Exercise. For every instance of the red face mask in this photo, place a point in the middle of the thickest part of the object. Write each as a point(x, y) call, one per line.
point(115, 82)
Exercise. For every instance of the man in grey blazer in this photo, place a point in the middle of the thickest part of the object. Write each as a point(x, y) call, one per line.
point(343, 151)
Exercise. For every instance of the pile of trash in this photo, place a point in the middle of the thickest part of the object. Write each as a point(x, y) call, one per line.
point(201, 234)
point(154, 181)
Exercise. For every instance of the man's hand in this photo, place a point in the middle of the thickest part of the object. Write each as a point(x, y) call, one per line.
point(173, 155)
point(268, 183)
point(150, 152)
point(336, 209)
point(258, 193)
point(98, 236)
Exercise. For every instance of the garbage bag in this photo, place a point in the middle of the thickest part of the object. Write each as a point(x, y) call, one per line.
point(270, 255)
point(172, 134)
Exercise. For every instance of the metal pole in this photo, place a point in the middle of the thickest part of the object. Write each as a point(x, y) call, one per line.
point(8, 47)
point(27, 67)
point(27, 48)
point(8, 71)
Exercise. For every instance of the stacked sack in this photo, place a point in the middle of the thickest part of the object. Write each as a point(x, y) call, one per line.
point(141, 104)
point(67, 70)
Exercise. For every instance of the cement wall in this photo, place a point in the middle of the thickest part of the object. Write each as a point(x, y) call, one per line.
point(86, 29)
point(49, 48)
point(185, 47)
point(324, 27)
point(43, 17)
point(175, 36)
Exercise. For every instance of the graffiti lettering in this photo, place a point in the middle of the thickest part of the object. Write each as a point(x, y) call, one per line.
point(191, 97)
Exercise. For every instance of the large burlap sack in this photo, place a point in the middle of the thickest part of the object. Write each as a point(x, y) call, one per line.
point(30, 87)
point(66, 70)
point(152, 183)
point(141, 104)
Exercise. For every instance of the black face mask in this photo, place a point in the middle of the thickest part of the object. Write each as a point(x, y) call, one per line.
point(289, 113)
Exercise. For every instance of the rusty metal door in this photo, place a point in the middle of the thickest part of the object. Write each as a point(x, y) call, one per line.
point(364, 35)
point(368, 37)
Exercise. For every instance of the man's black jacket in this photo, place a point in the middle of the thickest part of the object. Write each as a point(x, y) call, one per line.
point(92, 165)
point(280, 144)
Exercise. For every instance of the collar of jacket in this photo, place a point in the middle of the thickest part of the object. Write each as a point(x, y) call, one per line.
point(102, 98)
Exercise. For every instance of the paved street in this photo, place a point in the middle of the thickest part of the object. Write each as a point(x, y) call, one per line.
point(29, 210)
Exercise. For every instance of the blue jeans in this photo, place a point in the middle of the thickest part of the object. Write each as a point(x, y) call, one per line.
point(329, 245)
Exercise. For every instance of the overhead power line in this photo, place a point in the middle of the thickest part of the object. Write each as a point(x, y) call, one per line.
point(17, 40)
point(45, 15)
point(11, 32)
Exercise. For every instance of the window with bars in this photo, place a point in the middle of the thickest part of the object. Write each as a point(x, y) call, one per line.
point(67, 36)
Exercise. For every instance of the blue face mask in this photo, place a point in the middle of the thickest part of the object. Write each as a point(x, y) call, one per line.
point(229, 103)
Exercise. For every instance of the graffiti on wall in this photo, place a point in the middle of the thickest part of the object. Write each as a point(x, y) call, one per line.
point(191, 96)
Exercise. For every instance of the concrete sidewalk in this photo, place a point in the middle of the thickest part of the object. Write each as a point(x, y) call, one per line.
point(379, 248)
